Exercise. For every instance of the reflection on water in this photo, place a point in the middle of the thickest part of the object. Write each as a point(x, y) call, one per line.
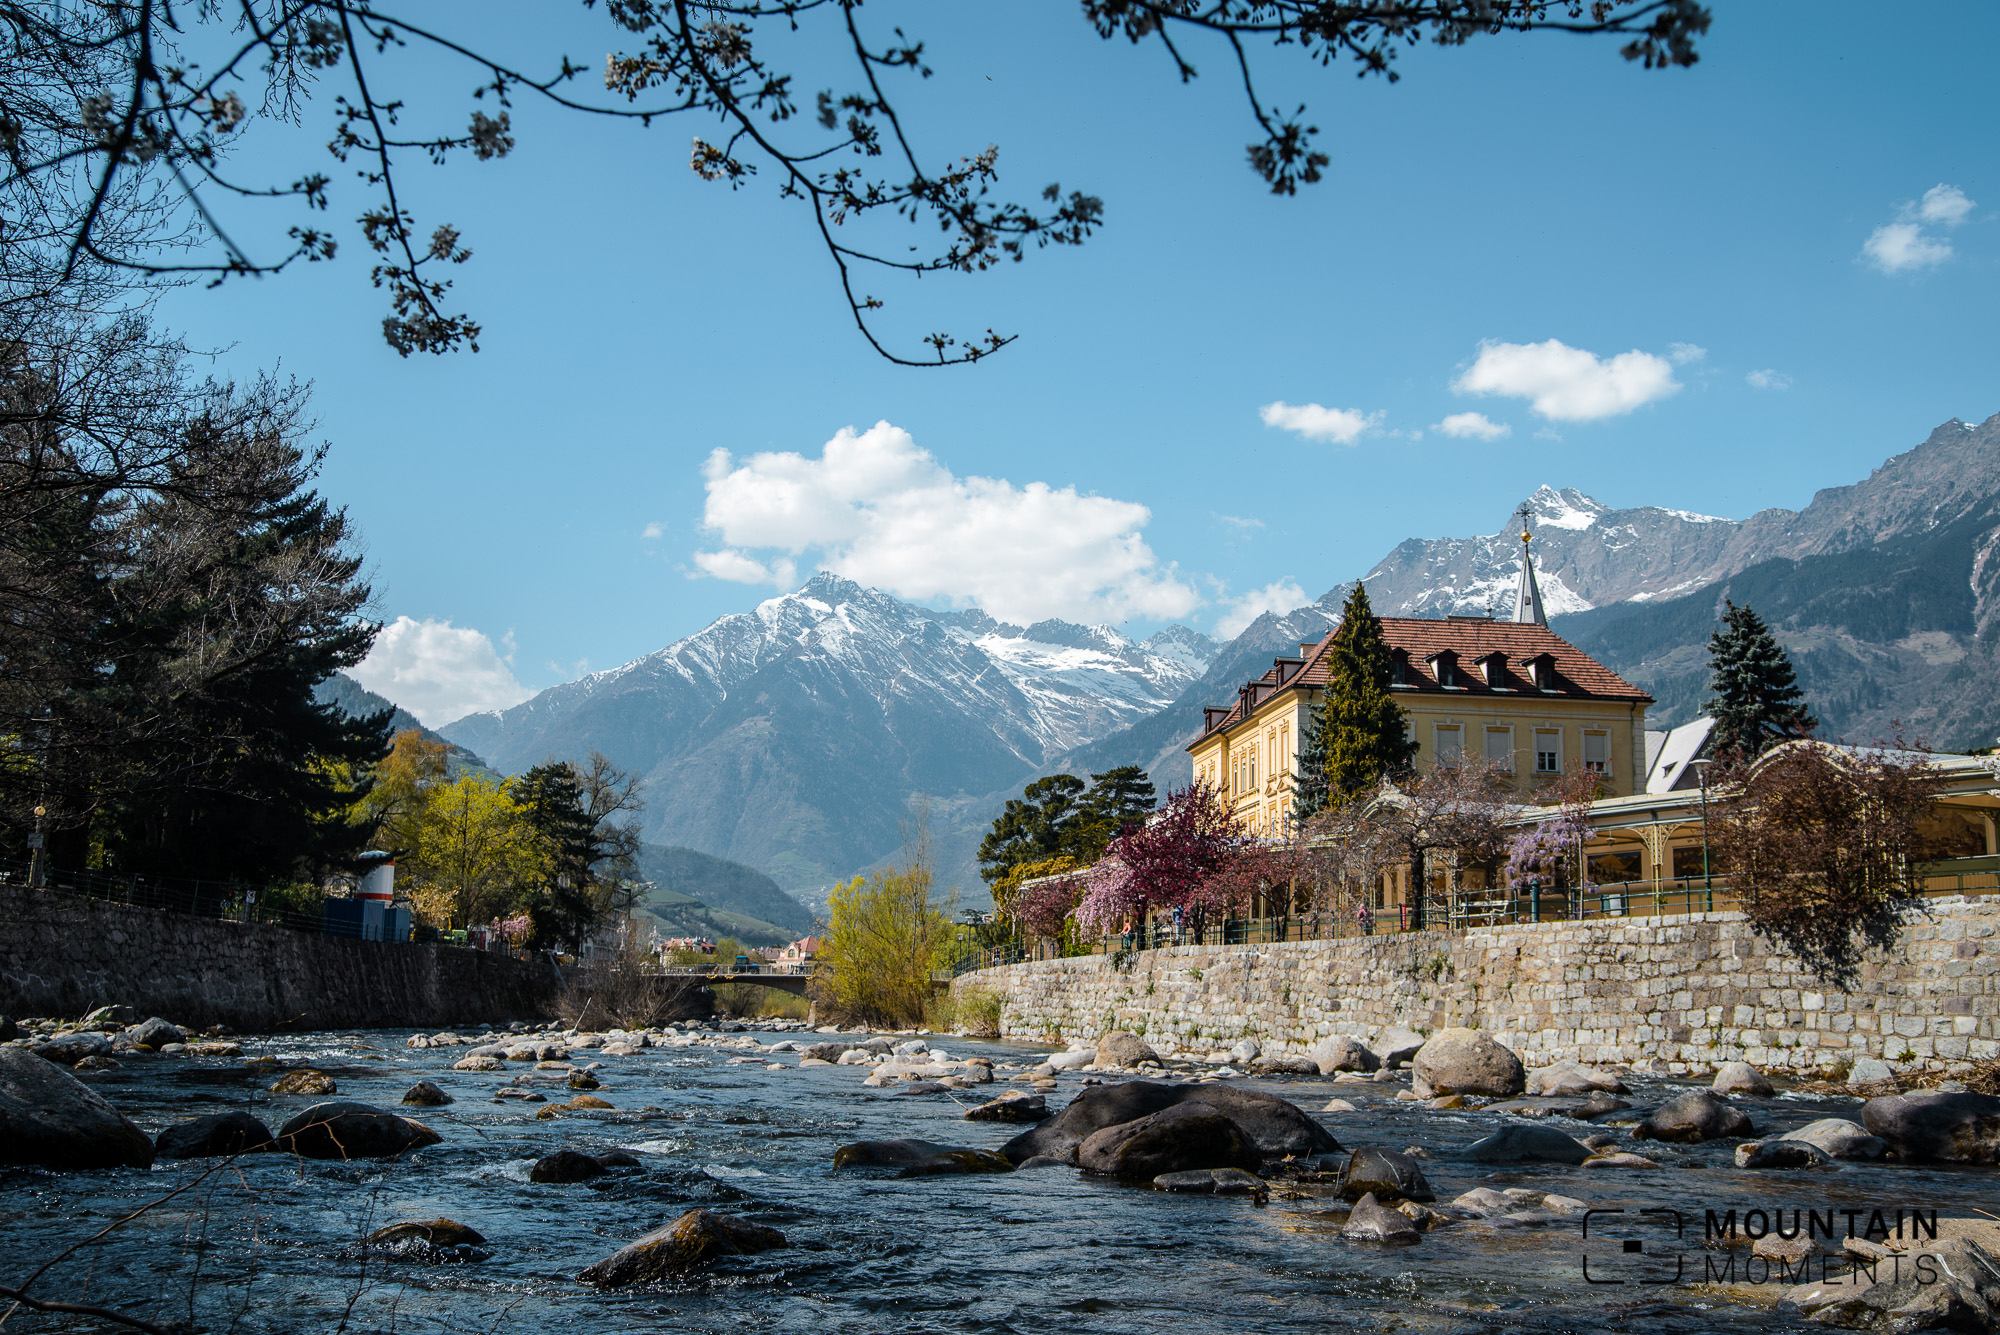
point(268, 1243)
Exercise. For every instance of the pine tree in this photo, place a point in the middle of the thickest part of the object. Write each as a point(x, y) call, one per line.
point(1364, 733)
point(1309, 790)
point(1757, 698)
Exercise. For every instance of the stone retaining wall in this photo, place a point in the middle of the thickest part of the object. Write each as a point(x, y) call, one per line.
point(1690, 991)
point(63, 956)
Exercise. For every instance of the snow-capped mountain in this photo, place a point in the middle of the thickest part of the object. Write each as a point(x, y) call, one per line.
point(792, 736)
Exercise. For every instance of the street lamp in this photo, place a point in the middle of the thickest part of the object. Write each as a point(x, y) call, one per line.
point(1707, 877)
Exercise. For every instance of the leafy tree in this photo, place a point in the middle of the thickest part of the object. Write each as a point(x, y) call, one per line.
point(1757, 698)
point(1825, 845)
point(115, 186)
point(395, 804)
point(883, 938)
point(475, 855)
point(1457, 809)
point(1363, 733)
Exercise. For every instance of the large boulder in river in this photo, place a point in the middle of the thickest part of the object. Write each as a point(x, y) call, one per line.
point(1339, 1053)
point(155, 1033)
point(215, 1135)
point(1570, 1078)
point(1838, 1138)
point(69, 1049)
point(1780, 1153)
point(566, 1166)
point(695, 1239)
point(1384, 1173)
point(1935, 1127)
point(49, 1117)
point(1275, 1127)
point(1699, 1114)
point(343, 1130)
point(1396, 1045)
point(1956, 1286)
point(305, 1081)
point(1176, 1139)
point(1742, 1078)
point(1466, 1061)
point(1119, 1048)
point(424, 1094)
point(1528, 1144)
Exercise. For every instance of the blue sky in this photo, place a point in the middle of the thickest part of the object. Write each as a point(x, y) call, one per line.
point(1715, 289)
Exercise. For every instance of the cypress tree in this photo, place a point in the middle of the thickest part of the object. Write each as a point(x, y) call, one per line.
point(1757, 698)
point(1363, 733)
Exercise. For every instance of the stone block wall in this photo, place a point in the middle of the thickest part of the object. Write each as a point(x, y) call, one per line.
point(1689, 991)
point(62, 956)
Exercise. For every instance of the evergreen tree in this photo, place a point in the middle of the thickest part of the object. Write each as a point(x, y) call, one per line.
point(1363, 732)
point(1032, 827)
point(1118, 799)
point(1757, 698)
point(562, 899)
point(1309, 789)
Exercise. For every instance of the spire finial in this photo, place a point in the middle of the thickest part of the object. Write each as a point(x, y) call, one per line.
point(1528, 604)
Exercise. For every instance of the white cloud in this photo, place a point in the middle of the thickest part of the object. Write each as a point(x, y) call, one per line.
point(1473, 426)
point(1896, 247)
point(654, 530)
point(1768, 379)
point(1342, 426)
point(438, 671)
point(1903, 245)
point(1280, 595)
point(1239, 522)
point(875, 508)
point(1566, 384)
point(1945, 205)
point(1686, 354)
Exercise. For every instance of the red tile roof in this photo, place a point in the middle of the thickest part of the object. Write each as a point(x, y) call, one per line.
point(1577, 675)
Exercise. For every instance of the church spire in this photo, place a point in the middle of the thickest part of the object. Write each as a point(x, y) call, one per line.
point(1528, 603)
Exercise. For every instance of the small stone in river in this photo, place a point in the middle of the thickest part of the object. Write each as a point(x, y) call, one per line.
point(695, 1239)
point(519, 1095)
point(431, 1242)
point(1338, 1105)
point(426, 1095)
point(1779, 1154)
point(98, 1064)
point(1371, 1221)
point(344, 1130)
point(1838, 1138)
point(155, 1033)
point(586, 1103)
point(478, 1064)
point(1620, 1160)
point(1376, 1172)
point(213, 1136)
point(1521, 1144)
point(1869, 1070)
point(1446, 1102)
point(581, 1080)
point(1422, 1216)
point(1698, 1114)
point(566, 1166)
point(308, 1082)
point(1791, 1251)
point(1013, 1106)
point(813, 1061)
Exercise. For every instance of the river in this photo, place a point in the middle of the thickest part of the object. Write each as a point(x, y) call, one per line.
point(269, 1243)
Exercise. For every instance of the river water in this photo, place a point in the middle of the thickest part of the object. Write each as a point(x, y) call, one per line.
point(269, 1243)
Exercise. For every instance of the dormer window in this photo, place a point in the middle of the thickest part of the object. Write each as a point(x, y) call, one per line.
point(1541, 669)
point(1493, 669)
point(1444, 666)
point(1399, 667)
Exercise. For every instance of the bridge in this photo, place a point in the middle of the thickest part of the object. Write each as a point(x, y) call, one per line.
point(791, 978)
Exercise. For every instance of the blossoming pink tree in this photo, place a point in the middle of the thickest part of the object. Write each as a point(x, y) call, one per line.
point(1172, 861)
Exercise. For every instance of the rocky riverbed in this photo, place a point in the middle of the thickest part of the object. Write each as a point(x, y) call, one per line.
point(546, 1155)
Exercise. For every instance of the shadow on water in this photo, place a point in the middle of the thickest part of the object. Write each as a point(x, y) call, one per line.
point(269, 1243)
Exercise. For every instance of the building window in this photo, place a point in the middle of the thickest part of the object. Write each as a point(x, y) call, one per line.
point(1285, 746)
point(1597, 752)
point(1548, 751)
point(1450, 744)
point(1500, 747)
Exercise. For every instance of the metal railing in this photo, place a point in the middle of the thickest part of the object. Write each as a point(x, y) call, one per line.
point(229, 901)
point(1460, 911)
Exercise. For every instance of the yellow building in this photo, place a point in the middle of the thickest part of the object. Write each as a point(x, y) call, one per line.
point(1512, 692)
